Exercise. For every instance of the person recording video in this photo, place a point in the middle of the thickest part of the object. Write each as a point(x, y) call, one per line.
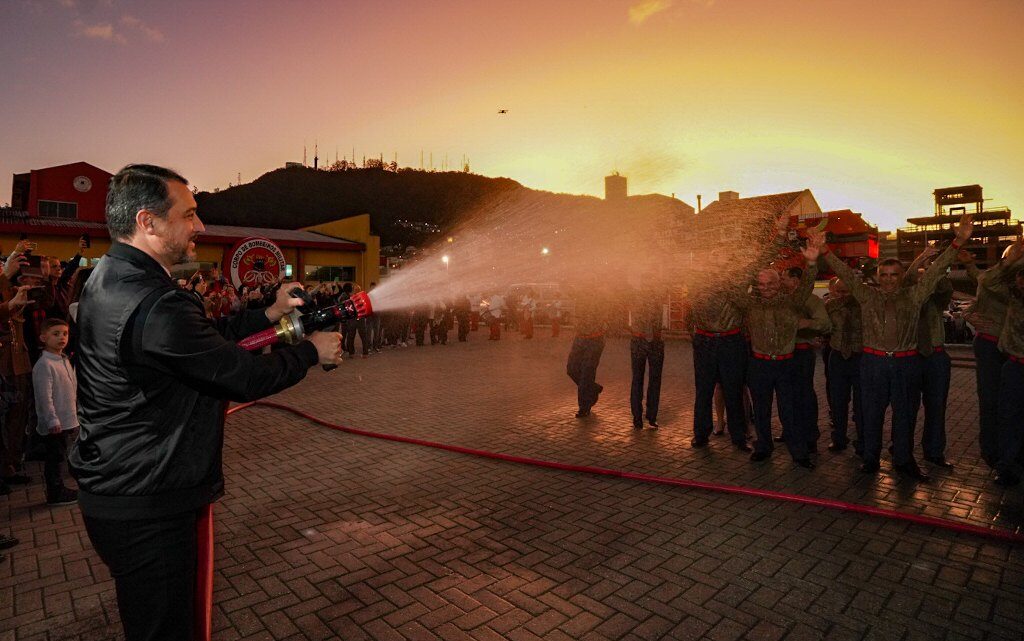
point(155, 375)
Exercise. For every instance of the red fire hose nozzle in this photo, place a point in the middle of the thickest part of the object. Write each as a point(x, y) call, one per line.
point(295, 326)
point(361, 300)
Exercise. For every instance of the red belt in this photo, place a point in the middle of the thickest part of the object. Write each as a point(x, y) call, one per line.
point(878, 352)
point(1015, 359)
point(804, 346)
point(988, 337)
point(938, 348)
point(773, 357)
point(731, 332)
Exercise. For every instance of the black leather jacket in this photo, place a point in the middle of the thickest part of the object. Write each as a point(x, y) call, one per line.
point(154, 375)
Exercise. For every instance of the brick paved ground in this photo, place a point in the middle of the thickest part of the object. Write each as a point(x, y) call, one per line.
point(327, 535)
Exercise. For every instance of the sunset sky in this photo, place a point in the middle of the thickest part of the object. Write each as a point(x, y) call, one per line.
point(871, 105)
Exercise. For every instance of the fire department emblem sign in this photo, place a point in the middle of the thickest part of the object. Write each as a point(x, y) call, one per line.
point(254, 262)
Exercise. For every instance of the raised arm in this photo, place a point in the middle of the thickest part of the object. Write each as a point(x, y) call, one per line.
point(806, 286)
point(926, 285)
point(964, 258)
point(911, 275)
point(857, 288)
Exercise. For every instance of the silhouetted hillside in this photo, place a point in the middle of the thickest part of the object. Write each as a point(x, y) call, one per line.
point(298, 197)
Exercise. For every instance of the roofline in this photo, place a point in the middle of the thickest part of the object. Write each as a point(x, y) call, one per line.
point(70, 164)
point(305, 244)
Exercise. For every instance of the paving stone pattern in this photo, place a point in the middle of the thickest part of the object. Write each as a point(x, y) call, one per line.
point(325, 535)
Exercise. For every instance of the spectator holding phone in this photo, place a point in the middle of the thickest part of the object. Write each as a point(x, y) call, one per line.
point(15, 370)
point(61, 277)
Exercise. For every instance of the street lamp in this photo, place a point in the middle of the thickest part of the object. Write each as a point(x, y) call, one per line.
point(545, 251)
point(444, 259)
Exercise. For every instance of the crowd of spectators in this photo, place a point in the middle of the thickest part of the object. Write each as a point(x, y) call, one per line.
point(38, 294)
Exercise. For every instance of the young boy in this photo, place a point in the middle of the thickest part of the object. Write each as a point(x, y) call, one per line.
point(53, 380)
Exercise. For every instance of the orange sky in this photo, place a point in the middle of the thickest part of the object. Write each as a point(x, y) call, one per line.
point(871, 105)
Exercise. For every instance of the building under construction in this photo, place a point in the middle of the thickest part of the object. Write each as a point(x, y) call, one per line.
point(994, 229)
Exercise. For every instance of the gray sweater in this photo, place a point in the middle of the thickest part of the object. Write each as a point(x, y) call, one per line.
point(53, 380)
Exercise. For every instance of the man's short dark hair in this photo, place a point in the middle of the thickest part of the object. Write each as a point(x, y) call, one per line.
point(795, 272)
point(134, 188)
point(888, 262)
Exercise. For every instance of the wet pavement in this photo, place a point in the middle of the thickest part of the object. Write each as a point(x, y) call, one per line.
point(325, 535)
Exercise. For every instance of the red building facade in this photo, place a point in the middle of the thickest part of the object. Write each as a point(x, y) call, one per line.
point(77, 191)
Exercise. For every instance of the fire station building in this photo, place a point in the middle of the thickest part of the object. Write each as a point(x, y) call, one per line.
point(56, 206)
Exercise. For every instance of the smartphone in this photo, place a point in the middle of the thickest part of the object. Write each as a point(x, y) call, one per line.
point(34, 261)
point(87, 240)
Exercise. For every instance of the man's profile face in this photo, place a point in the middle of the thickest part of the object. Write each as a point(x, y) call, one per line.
point(179, 229)
point(768, 283)
point(889, 277)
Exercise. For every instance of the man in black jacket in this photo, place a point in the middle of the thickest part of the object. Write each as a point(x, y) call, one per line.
point(154, 378)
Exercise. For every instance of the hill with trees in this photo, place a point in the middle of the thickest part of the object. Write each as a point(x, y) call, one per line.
point(406, 206)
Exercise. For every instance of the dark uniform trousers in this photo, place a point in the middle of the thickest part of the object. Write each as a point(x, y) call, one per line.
point(805, 401)
point(374, 327)
point(584, 357)
point(844, 382)
point(462, 317)
point(826, 351)
point(935, 375)
point(153, 564)
point(646, 354)
point(355, 326)
point(988, 362)
point(1011, 417)
point(719, 360)
point(767, 379)
point(421, 323)
point(889, 380)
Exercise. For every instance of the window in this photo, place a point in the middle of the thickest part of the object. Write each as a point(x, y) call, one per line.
point(325, 273)
point(57, 209)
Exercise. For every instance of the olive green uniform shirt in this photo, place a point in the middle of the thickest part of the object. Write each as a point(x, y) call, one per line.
point(716, 314)
point(1011, 341)
point(1011, 337)
point(814, 309)
point(772, 323)
point(931, 327)
point(847, 333)
point(890, 321)
point(591, 317)
point(988, 312)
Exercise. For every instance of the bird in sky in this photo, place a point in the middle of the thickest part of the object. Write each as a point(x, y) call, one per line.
point(503, 111)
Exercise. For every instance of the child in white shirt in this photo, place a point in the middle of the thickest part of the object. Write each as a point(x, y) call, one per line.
point(53, 380)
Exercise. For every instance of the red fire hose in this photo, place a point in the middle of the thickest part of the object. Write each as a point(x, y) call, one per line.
point(1005, 536)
